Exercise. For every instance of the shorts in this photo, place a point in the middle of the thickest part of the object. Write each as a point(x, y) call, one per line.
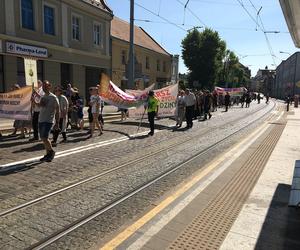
point(44, 129)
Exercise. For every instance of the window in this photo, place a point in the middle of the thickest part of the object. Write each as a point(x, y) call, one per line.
point(76, 28)
point(147, 62)
point(97, 34)
point(49, 20)
point(2, 89)
point(65, 74)
point(123, 57)
point(164, 66)
point(21, 80)
point(158, 65)
point(27, 14)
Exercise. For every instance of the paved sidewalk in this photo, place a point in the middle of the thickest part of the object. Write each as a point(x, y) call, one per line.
point(266, 221)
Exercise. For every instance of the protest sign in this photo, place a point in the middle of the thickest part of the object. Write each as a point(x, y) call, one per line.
point(16, 104)
point(113, 95)
point(167, 102)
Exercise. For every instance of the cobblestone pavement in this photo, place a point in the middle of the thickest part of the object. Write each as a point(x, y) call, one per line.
point(29, 225)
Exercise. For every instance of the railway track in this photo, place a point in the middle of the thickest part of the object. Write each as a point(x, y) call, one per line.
point(82, 221)
point(184, 139)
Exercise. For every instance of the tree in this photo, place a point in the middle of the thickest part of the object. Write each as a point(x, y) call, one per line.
point(203, 53)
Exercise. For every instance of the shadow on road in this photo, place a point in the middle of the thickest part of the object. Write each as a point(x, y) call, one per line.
point(19, 167)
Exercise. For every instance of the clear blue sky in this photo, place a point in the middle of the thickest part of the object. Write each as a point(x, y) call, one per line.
point(227, 17)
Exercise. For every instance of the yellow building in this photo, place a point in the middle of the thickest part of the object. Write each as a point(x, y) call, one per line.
point(70, 39)
point(152, 62)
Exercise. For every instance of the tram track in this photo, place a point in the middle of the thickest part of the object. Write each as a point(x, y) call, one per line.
point(82, 221)
point(185, 139)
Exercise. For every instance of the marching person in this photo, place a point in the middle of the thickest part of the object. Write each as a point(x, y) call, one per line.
point(152, 106)
point(258, 98)
point(36, 97)
point(207, 104)
point(63, 105)
point(95, 103)
point(227, 101)
point(190, 101)
point(48, 114)
point(180, 108)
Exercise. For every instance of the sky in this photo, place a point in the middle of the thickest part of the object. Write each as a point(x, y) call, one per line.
point(228, 17)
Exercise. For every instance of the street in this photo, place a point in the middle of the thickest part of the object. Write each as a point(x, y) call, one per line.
point(33, 206)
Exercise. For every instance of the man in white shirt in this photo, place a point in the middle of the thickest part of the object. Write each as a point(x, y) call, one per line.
point(190, 101)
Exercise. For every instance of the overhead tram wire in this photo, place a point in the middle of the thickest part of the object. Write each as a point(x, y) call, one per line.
point(183, 4)
point(261, 28)
point(155, 14)
point(264, 30)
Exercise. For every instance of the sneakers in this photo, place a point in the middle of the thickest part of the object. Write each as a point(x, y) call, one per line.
point(48, 157)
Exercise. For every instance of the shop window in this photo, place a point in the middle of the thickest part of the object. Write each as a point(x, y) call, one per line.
point(49, 26)
point(147, 62)
point(21, 72)
point(2, 88)
point(97, 34)
point(76, 28)
point(40, 70)
point(65, 74)
point(27, 14)
point(21, 80)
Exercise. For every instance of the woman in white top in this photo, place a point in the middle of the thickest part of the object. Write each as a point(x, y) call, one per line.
point(180, 108)
point(95, 102)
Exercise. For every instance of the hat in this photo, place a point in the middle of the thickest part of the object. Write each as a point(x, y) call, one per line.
point(151, 93)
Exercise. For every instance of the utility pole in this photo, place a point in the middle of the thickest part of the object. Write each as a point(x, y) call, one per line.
point(131, 48)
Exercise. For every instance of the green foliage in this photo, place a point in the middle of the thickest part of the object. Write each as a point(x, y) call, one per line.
point(203, 53)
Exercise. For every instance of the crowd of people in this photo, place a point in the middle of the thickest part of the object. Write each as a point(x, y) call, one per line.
point(200, 104)
point(53, 112)
point(54, 109)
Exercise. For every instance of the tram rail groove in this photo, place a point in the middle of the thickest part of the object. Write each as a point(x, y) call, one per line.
point(95, 177)
point(87, 218)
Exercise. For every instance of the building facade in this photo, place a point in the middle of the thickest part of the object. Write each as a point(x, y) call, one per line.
point(264, 81)
point(69, 38)
point(288, 77)
point(153, 64)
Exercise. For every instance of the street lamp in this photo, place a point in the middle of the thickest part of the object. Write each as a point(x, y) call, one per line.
point(195, 27)
point(283, 52)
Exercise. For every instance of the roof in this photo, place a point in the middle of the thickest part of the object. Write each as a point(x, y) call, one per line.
point(120, 29)
point(291, 11)
point(100, 4)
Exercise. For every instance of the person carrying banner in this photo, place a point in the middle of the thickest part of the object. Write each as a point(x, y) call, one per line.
point(152, 108)
point(49, 113)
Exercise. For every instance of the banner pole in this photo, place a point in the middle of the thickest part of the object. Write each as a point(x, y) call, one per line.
point(141, 121)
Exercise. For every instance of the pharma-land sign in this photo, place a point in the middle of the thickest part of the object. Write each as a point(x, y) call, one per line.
point(26, 50)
